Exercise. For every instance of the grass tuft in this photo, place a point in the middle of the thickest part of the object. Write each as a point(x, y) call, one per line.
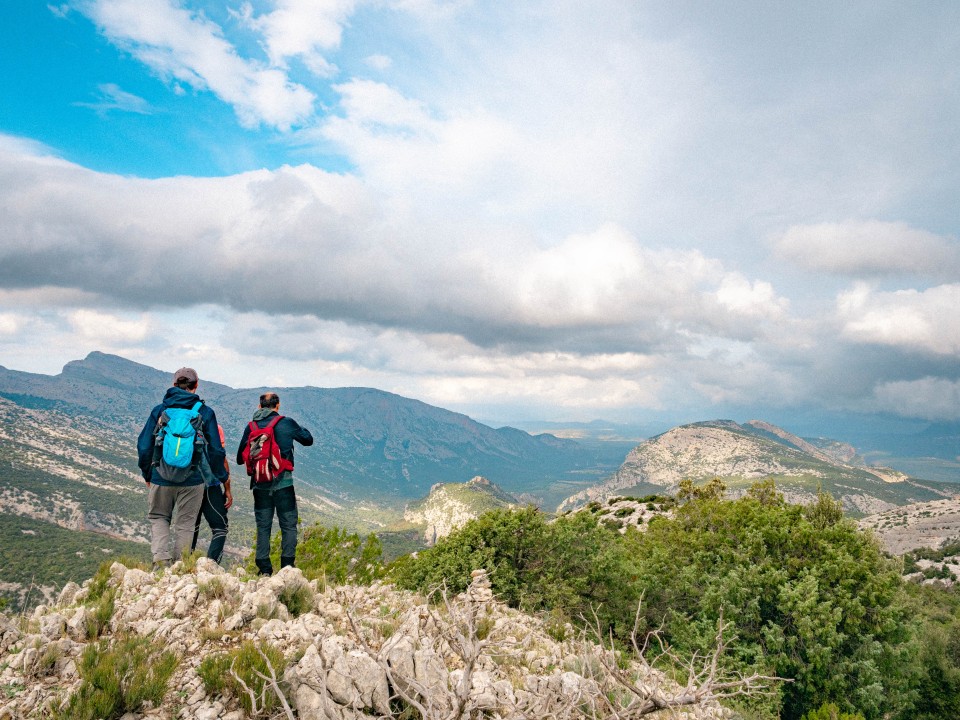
point(119, 677)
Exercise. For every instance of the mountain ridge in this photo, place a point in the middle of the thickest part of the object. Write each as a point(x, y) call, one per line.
point(741, 454)
point(365, 438)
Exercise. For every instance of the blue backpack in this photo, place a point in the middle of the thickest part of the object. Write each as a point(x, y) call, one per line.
point(179, 444)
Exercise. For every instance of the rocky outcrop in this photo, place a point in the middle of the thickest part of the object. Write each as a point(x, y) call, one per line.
point(347, 652)
point(742, 454)
point(452, 505)
point(623, 512)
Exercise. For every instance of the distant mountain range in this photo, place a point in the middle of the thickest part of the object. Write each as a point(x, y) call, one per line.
point(67, 458)
point(742, 454)
point(368, 443)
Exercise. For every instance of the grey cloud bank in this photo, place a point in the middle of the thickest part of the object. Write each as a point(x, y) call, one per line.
point(300, 240)
point(314, 270)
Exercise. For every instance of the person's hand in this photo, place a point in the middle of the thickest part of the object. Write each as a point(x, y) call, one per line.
point(228, 499)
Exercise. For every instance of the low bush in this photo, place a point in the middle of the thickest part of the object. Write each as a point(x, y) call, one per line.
point(244, 671)
point(331, 556)
point(298, 601)
point(119, 677)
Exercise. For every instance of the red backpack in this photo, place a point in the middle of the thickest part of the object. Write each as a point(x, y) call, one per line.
point(262, 454)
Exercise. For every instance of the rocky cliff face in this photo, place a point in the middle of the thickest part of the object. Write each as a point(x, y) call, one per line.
point(452, 505)
point(339, 653)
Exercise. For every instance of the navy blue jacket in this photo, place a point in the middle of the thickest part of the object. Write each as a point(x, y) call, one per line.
point(286, 431)
point(179, 398)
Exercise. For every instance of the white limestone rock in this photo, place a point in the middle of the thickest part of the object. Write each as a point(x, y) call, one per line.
point(68, 594)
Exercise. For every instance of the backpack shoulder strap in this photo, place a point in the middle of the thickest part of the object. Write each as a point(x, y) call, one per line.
point(273, 423)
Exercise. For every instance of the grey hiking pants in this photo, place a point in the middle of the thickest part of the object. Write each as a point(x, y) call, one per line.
point(181, 503)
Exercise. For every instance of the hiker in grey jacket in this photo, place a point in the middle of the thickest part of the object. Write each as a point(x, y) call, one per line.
point(178, 502)
point(276, 496)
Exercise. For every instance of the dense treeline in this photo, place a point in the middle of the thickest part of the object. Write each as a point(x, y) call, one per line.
point(809, 597)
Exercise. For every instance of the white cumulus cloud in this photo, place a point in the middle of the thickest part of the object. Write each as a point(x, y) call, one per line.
point(870, 248)
point(304, 29)
point(335, 256)
point(922, 320)
point(190, 48)
point(108, 329)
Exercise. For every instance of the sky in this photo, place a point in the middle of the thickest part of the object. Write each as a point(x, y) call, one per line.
point(547, 210)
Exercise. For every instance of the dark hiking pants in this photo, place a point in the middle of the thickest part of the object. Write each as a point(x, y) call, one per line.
point(284, 502)
point(214, 510)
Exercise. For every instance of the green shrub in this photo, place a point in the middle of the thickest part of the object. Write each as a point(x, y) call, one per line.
point(213, 588)
point(214, 670)
point(809, 596)
point(119, 677)
point(573, 566)
point(99, 582)
point(250, 662)
point(829, 711)
point(48, 660)
point(331, 556)
point(99, 615)
point(189, 561)
point(298, 601)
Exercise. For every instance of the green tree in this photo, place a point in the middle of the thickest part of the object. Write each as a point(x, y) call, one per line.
point(935, 670)
point(576, 566)
point(508, 544)
point(809, 600)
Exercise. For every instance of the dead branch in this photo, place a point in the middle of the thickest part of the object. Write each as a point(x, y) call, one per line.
point(255, 709)
point(274, 685)
point(603, 687)
point(644, 690)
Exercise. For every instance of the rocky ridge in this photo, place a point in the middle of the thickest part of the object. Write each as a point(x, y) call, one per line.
point(742, 454)
point(347, 652)
point(452, 505)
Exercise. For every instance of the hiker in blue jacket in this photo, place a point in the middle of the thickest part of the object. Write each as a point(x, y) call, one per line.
point(182, 496)
point(278, 495)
